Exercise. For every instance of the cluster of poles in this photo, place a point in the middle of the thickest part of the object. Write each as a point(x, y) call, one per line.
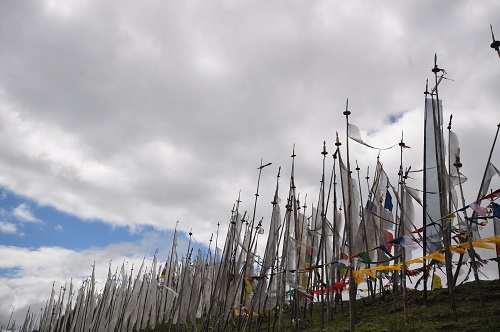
point(310, 255)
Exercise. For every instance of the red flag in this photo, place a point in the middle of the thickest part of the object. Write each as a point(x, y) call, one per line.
point(496, 193)
point(390, 237)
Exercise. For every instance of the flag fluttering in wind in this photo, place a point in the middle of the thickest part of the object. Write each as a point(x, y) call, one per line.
point(407, 242)
point(354, 134)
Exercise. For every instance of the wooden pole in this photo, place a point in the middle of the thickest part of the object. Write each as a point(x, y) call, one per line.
point(471, 250)
point(352, 284)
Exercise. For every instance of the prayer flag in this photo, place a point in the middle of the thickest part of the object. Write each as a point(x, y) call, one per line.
point(496, 223)
point(449, 216)
point(308, 258)
point(407, 242)
point(163, 272)
point(416, 260)
point(420, 230)
point(496, 209)
point(390, 237)
point(247, 284)
point(365, 257)
point(358, 276)
point(480, 210)
point(384, 249)
point(436, 256)
point(345, 260)
point(388, 201)
point(436, 282)
point(496, 193)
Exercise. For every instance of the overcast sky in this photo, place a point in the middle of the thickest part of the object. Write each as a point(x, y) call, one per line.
point(120, 118)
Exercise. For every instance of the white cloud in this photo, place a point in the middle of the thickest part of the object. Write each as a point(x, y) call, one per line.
point(24, 214)
point(28, 274)
point(7, 228)
point(59, 228)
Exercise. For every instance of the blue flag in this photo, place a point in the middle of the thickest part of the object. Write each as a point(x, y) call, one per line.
point(388, 201)
point(496, 210)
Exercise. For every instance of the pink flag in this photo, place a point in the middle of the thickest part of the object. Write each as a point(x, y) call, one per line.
point(480, 210)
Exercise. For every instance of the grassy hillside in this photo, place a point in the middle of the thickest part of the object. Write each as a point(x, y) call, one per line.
point(387, 313)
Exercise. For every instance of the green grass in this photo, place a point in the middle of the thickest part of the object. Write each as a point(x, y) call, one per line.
point(386, 313)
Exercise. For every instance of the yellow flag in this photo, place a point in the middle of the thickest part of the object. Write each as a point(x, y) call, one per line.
point(481, 244)
point(368, 272)
point(358, 276)
point(247, 284)
point(436, 256)
point(492, 239)
point(396, 267)
point(436, 282)
point(458, 249)
point(450, 216)
point(413, 261)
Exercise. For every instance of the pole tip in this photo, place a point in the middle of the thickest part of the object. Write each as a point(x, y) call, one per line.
point(347, 112)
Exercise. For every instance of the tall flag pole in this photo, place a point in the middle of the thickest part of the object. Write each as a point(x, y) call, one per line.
point(348, 223)
point(434, 170)
point(442, 185)
point(269, 260)
point(402, 177)
point(249, 255)
point(424, 214)
point(363, 229)
point(336, 222)
point(286, 236)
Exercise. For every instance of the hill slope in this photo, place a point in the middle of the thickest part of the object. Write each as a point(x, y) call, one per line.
point(386, 313)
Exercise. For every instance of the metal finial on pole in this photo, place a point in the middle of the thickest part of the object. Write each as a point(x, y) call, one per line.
point(496, 43)
point(347, 112)
point(436, 69)
point(324, 153)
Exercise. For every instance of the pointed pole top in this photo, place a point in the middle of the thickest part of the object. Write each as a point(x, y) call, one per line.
point(449, 124)
point(402, 144)
point(347, 112)
point(426, 92)
point(496, 43)
point(337, 140)
point(436, 69)
point(324, 153)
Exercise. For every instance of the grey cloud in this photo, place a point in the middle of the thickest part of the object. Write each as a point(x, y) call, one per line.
point(174, 104)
